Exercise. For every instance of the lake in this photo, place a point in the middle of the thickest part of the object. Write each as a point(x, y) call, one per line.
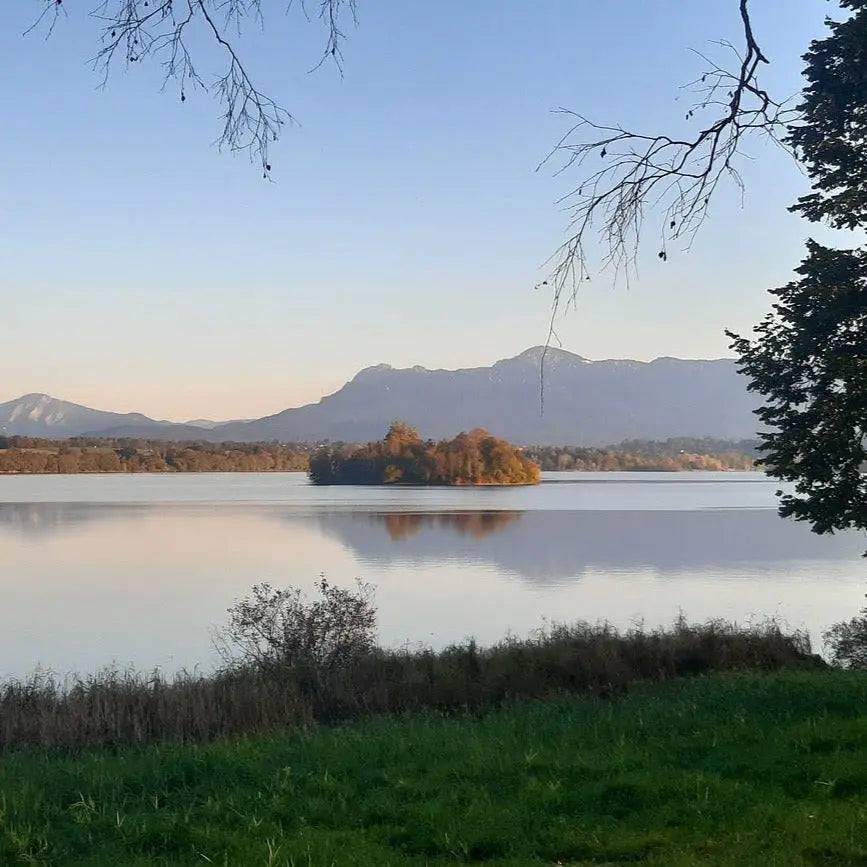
point(138, 570)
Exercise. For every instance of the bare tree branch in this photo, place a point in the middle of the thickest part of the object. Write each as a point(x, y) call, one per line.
point(134, 31)
point(677, 177)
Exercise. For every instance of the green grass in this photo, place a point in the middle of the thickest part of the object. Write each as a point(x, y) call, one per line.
point(725, 769)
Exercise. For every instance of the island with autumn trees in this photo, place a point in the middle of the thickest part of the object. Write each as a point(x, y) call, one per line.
point(403, 457)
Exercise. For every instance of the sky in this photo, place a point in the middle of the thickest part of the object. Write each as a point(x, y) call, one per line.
point(143, 269)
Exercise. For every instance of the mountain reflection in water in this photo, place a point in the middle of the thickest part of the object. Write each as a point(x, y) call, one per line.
point(545, 546)
point(538, 545)
point(139, 569)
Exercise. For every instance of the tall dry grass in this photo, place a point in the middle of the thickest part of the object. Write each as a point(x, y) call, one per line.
point(250, 696)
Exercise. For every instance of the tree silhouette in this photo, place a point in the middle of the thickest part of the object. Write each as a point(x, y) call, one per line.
point(674, 175)
point(170, 32)
point(809, 360)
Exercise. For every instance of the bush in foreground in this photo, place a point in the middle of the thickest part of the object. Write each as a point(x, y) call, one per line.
point(292, 662)
point(847, 642)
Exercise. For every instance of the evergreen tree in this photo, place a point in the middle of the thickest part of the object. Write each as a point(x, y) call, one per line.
point(809, 360)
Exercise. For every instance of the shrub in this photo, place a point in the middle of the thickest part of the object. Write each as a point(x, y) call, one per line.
point(290, 661)
point(275, 629)
point(847, 642)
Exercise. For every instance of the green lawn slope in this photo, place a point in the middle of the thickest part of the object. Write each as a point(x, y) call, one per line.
point(724, 769)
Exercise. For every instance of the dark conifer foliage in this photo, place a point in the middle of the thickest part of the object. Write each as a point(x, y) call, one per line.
point(809, 359)
point(810, 364)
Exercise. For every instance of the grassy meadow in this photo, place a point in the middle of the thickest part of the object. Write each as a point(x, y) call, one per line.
point(720, 769)
point(695, 744)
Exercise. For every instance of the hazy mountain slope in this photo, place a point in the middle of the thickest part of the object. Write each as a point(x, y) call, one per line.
point(40, 415)
point(597, 402)
point(585, 402)
point(148, 430)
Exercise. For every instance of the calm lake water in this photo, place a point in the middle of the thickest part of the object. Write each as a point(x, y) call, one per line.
point(139, 569)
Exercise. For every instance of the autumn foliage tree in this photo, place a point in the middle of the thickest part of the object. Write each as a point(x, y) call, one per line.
point(474, 458)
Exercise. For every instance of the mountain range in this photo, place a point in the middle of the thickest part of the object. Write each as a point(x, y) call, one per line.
point(575, 401)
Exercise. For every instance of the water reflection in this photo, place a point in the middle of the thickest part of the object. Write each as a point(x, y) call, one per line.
point(83, 583)
point(40, 519)
point(545, 547)
point(539, 546)
point(405, 525)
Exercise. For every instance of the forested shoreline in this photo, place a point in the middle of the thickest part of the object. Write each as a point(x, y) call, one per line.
point(672, 455)
point(30, 455)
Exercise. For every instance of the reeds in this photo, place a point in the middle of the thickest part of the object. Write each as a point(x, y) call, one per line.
point(122, 706)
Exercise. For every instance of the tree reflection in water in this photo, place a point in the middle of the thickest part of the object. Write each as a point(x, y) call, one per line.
point(404, 525)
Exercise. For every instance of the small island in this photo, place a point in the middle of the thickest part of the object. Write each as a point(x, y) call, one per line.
point(403, 457)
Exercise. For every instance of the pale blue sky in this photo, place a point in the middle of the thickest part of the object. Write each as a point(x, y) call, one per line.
point(142, 269)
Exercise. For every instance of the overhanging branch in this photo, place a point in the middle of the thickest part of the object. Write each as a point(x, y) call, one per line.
point(675, 176)
point(134, 31)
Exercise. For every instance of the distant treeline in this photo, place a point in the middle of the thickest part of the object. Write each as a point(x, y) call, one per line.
point(459, 460)
point(672, 455)
point(84, 455)
point(474, 458)
point(693, 445)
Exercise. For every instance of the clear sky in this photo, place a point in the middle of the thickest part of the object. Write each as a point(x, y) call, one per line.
point(141, 269)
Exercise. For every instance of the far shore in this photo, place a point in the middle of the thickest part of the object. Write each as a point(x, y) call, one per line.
point(20, 455)
point(756, 470)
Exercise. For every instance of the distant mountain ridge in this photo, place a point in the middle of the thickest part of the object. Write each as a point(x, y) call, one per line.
point(585, 402)
point(40, 415)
